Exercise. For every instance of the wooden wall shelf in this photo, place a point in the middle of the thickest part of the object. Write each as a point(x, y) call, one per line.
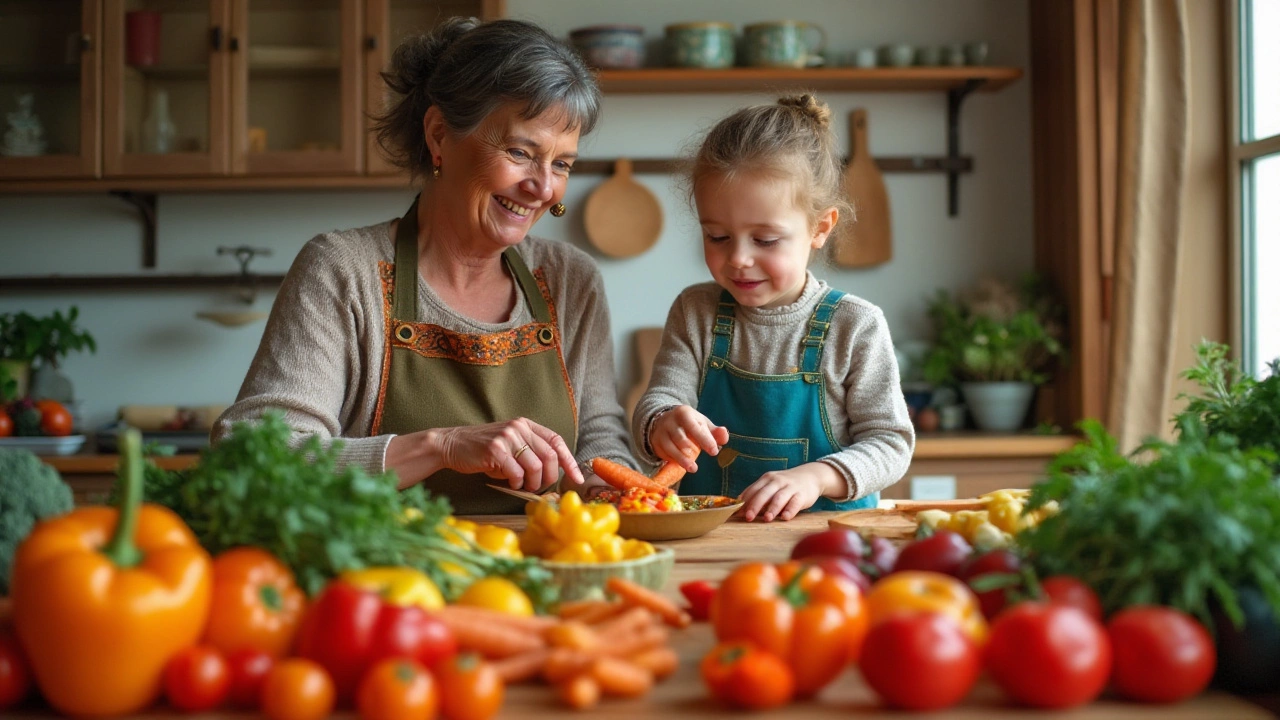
point(910, 79)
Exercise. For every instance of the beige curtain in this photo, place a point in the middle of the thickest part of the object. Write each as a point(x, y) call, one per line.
point(1152, 151)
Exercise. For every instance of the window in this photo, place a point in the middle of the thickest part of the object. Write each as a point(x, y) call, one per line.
point(1256, 179)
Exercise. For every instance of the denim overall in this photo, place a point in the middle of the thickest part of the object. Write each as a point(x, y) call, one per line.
point(775, 422)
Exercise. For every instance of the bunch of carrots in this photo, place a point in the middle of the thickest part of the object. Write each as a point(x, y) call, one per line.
point(623, 477)
point(592, 649)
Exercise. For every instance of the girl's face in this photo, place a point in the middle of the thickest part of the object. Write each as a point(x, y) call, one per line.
point(755, 238)
point(505, 175)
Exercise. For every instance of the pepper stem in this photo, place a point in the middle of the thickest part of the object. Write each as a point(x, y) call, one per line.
point(120, 548)
point(792, 592)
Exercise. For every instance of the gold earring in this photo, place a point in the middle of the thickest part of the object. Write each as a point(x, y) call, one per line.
point(435, 171)
point(558, 209)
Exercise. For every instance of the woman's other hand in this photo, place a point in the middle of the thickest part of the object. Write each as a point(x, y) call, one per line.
point(677, 432)
point(522, 452)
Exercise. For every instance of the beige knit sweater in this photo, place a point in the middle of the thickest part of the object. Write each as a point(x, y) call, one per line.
point(863, 394)
point(320, 359)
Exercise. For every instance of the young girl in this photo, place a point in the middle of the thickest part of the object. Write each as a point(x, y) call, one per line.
point(791, 384)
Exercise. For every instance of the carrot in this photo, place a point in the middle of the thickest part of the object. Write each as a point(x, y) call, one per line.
point(639, 596)
point(573, 635)
point(621, 476)
point(522, 667)
point(621, 677)
point(590, 611)
point(571, 609)
point(671, 473)
point(491, 639)
point(531, 624)
point(661, 661)
point(563, 663)
point(579, 692)
point(644, 639)
point(625, 623)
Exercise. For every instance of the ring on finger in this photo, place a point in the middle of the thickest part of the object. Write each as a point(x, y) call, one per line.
point(516, 455)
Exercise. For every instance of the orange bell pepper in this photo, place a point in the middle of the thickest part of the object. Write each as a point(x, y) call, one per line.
point(922, 591)
point(102, 599)
point(255, 603)
point(814, 622)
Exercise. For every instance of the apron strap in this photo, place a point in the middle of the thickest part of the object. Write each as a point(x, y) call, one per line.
point(405, 296)
point(723, 329)
point(816, 338)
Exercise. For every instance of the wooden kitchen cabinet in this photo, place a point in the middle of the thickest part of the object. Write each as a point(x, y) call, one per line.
point(50, 50)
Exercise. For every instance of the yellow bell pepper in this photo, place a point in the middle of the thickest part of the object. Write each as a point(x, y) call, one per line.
point(608, 548)
point(965, 522)
point(578, 552)
point(404, 586)
point(632, 549)
point(499, 541)
point(1005, 509)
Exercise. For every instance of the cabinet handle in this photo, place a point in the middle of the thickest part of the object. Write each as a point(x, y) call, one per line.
point(234, 45)
point(371, 42)
point(215, 38)
point(86, 43)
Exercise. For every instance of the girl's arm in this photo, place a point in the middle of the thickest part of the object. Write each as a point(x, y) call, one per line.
point(677, 369)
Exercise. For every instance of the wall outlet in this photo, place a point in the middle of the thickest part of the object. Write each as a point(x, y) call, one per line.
point(933, 487)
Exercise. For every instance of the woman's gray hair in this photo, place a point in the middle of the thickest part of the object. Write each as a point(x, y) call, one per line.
point(468, 69)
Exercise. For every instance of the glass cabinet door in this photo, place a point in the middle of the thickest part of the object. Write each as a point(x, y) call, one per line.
point(49, 88)
point(165, 80)
point(387, 24)
point(296, 87)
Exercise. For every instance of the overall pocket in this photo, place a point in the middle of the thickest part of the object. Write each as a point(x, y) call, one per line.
point(755, 456)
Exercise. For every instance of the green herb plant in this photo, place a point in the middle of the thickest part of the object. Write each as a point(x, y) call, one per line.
point(1184, 524)
point(320, 519)
point(24, 336)
point(1233, 402)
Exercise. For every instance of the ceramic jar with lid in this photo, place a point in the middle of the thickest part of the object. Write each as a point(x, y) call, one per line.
point(700, 45)
point(610, 47)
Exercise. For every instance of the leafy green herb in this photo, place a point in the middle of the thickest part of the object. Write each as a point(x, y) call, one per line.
point(1183, 524)
point(252, 488)
point(1233, 402)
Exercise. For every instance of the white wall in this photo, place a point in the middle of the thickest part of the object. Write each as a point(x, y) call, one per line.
point(153, 350)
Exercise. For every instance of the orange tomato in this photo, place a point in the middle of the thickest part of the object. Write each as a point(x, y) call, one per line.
point(470, 688)
point(55, 420)
point(6, 424)
point(746, 677)
point(255, 603)
point(397, 689)
point(297, 689)
point(924, 591)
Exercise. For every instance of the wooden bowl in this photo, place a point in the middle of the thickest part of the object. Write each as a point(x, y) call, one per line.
point(578, 581)
point(661, 526)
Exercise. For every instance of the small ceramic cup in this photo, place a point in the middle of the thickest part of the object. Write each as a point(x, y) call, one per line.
point(610, 47)
point(975, 53)
point(699, 45)
point(928, 55)
point(783, 43)
point(953, 55)
point(897, 55)
point(864, 58)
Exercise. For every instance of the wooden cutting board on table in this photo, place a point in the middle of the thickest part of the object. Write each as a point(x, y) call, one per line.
point(899, 521)
point(869, 239)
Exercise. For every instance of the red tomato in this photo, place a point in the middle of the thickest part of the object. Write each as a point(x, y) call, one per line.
point(1048, 656)
point(920, 661)
point(838, 541)
point(746, 677)
point(882, 554)
point(942, 552)
point(841, 566)
point(248, 668)
point(397, 689)
point(297, 689)
point(996, 561)
point(196, 679)
point(54, 418)
point(1162, 655)
point(470, 688)
point(699, 593)
point(15, 670)
point(1066, 590)
point(6, 424)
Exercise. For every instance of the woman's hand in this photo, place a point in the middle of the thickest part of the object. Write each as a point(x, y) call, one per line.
point(781, 494)
point(522, 452)
point(682, 429)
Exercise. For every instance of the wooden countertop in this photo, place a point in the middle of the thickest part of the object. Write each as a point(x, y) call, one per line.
point(711, 557)
point(933, 446)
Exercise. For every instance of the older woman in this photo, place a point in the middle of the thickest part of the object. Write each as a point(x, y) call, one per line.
point(449, 345)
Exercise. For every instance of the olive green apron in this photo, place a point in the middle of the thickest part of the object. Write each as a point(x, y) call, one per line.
point(435, 378)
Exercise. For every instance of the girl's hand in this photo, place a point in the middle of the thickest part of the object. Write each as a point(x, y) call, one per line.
point(781, 494)
point(678, 432)
point(522, 452)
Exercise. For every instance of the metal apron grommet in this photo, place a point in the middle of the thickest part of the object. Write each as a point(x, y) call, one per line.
point(405, 333)
point(546, 336)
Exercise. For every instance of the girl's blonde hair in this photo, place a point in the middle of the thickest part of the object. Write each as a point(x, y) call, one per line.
point(791, 138)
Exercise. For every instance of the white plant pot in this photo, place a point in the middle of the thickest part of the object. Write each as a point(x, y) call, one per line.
point(1000, 406)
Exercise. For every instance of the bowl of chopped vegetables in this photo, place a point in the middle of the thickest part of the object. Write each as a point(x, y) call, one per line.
point(663, 515)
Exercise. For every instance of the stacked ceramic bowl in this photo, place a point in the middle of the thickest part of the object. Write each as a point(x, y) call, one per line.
point(610, 47)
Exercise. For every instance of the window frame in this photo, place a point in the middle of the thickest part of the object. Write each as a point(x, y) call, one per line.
point(1239, 173)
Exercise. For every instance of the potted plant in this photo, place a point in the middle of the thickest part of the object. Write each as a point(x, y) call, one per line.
point(26, 339)
point(996, 343)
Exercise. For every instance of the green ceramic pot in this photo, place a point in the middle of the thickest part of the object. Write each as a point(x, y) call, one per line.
point(700, 45)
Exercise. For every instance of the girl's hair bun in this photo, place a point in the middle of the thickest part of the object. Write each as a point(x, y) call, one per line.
point(809, 106)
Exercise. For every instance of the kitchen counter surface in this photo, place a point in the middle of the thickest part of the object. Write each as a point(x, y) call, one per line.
point(683, 695)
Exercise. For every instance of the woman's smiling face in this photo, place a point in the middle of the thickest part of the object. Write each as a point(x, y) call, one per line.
point(756, 239)
point(506, 174)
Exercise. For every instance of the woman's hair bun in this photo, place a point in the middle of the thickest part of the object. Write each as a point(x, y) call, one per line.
point(415, 59)
point(810, 106)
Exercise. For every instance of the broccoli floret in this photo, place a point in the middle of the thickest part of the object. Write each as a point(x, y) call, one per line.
point(29, 491)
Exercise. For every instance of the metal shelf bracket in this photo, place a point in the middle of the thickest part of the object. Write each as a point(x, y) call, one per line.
point(955, 98)
point(145, 202)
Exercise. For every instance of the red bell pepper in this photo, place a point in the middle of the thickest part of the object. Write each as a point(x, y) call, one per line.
point(699, 594)
point(348, 630)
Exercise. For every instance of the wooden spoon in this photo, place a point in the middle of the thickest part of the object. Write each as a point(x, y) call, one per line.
point(869, 241)
point(623, 219)
point(522, 494)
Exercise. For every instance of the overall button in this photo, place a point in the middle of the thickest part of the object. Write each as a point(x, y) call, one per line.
point(546, 336)
point(405, 333)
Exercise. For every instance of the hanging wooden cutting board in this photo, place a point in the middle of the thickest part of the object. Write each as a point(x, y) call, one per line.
point(623, 219)
point(869, 239)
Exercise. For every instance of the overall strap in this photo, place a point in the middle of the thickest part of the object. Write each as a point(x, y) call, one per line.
point(816, 338)
point(537, 303)
point(723, 329)
point(405, 296)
